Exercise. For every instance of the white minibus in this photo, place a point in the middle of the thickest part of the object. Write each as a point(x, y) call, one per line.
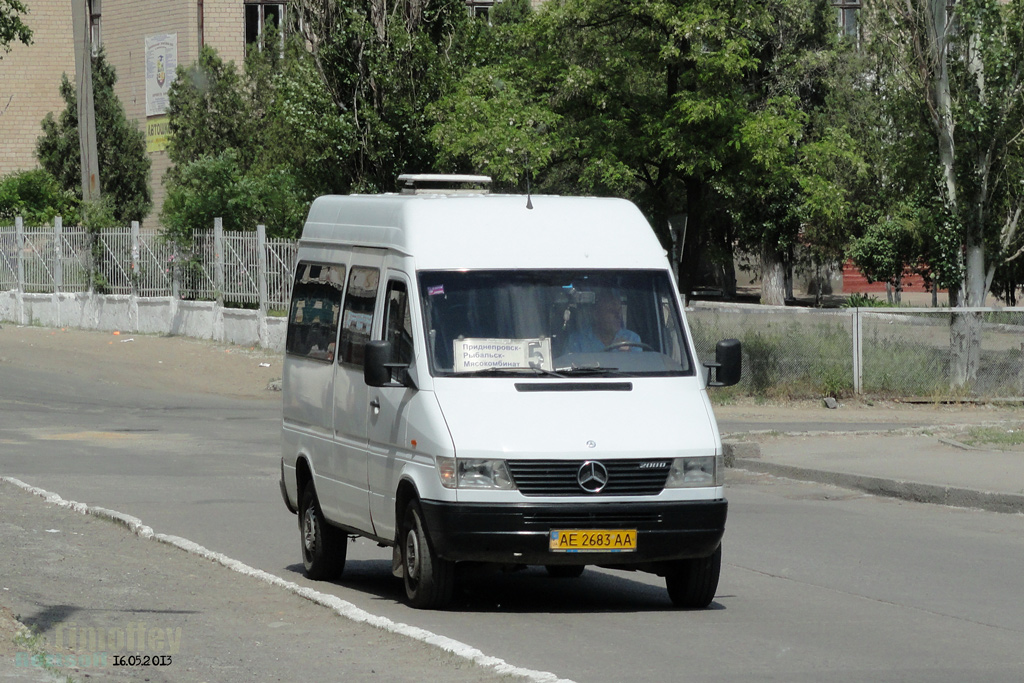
point(498, 379)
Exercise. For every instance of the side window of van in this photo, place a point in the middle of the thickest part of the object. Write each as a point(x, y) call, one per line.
point(314, 312)
point(398, 322)
point(357, 316)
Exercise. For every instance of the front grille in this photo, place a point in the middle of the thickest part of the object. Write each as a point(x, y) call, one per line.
point(593, 520)
point(559, 477)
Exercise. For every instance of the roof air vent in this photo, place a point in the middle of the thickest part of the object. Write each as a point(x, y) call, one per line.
point(443, 183)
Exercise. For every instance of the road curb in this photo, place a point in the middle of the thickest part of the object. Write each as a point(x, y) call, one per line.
point(739, 450)
point(340, 607)
point(903, 490)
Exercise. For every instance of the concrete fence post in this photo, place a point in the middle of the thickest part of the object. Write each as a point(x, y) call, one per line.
point(134, 276)
point(858, 354)
point(218, 257)
point(176, 271)
point(58, 254)
point(19, 237)
point(261, 267)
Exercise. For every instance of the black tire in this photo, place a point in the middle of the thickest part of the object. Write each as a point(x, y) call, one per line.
point(692, 583)
point(565, 571)
point(324, 547)
point(429, 580)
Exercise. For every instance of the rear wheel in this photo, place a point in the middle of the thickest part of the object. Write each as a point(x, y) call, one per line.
point(323, 546)
point(565, 571)
point(692, 583)
point(429, 579)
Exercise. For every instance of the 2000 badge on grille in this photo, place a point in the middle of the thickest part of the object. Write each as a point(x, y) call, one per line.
point(592, 540)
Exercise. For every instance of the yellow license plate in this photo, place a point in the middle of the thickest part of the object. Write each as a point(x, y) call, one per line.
point(592, 540)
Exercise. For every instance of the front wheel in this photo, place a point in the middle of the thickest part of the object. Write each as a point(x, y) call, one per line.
point(323, 546)
point(429, 579)
point(692, 583)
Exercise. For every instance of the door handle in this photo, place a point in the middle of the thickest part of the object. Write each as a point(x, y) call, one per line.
point(375, 404)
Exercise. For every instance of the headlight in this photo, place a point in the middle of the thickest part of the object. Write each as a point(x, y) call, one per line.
point(467, 473)
point(705, 470)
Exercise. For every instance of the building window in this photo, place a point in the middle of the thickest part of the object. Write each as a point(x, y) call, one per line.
point(847, 16)
point(259, 17)
point(481, 9)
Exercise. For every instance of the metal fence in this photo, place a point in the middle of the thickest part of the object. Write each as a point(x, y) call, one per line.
point(883, 352)
point(235, 267)
point(787, 352)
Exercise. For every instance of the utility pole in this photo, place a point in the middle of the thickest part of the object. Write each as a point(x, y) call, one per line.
point(86, 108)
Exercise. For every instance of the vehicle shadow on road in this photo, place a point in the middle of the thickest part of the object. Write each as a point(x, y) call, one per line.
point(482, 590)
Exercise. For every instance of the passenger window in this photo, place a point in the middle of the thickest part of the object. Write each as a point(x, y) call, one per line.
point(313, 314)
point(398, 322)
point(357, 317)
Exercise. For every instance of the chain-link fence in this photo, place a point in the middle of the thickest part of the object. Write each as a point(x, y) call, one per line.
point(914, 352)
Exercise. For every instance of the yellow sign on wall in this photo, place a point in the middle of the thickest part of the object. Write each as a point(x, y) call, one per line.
point(158, 131)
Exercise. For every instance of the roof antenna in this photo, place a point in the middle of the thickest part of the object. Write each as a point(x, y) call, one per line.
point(529, 198)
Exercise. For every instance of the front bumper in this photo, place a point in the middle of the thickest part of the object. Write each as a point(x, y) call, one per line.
point(518, 534)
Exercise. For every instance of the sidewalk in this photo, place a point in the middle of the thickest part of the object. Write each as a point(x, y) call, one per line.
point(916, 453)
point(107, 604)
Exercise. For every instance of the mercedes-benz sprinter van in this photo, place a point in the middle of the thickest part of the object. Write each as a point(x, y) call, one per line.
point(473, 377)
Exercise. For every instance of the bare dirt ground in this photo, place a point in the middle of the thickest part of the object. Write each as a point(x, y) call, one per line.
point(146, 361)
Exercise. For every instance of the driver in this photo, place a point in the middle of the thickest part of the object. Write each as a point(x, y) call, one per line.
point(607, 329)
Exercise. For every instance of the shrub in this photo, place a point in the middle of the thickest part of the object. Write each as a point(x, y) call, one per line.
point(37, 197)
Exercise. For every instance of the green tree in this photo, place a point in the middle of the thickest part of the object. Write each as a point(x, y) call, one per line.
point(381, 66)
point(12, 26)
point(796, 165)
point(121, 148)
point(492, 121)
point(965, 64)
point(703, 108)
point(610, 98)
point(884, 252)
point(209, 111)
point(37, 197)
point(237, 154)
point(218, 187)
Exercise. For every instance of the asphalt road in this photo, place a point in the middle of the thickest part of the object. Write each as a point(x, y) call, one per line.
point(818, 583)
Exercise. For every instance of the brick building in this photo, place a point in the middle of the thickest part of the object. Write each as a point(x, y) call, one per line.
point(136, 35)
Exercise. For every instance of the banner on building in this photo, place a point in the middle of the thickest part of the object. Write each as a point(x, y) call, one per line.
point(161, 63)
point(158, 130)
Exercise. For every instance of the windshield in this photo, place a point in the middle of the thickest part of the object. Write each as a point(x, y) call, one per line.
point(558, 323)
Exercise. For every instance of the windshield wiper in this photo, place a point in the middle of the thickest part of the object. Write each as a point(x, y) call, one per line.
point(585, 370)
point(534, 369)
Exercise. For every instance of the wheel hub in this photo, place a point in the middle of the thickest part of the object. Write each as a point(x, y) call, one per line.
point(309, 531)
point(412, 555)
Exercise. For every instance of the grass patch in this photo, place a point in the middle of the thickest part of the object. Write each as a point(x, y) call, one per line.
point(34, 655)
point(1000, 437)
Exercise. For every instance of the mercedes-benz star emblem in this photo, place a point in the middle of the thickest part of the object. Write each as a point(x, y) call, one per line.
point(592, 477)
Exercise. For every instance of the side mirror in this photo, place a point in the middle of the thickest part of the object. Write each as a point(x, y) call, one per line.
point(376, 372)
point(378, 368)
point(728, 365)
